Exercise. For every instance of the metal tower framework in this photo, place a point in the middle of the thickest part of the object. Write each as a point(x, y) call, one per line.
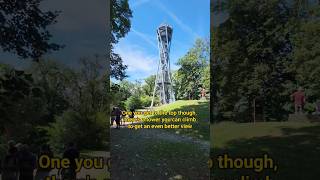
point(163, 83)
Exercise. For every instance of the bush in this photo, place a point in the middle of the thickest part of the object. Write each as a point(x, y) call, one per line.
point(86, 131)
point(133, 102)
point(3, 147)
point(146, 101)
point(310, 107)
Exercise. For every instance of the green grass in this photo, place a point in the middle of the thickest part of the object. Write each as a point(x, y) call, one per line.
point(200, 129)
point(223, 133)
point(294, 146)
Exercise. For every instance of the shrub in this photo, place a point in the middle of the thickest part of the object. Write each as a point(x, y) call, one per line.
point(86, 131)
point(3, 147)
point(133, 102)
point(146, 101)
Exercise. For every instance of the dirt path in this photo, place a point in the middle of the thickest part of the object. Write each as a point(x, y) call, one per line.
point(157, 154)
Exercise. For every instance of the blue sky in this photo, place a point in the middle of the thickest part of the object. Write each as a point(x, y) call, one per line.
point(190, 20)
point(81, 27)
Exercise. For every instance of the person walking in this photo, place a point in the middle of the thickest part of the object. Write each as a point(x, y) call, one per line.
point(27, 163)
point(113, 115)
point(10, 169)
point(299, 100)
point(44, 172)
point(132, 112)
point(118, 117)
point(72, 154)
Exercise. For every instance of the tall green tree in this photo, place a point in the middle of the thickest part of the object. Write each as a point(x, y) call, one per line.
point(206, 78)
point(22, 104)
point(148, 85)
point(252, 49)
point(120, 26)
point(54, 79)
point(88, 108)
point(306, 55)
point(23, 28)
point(188, 78)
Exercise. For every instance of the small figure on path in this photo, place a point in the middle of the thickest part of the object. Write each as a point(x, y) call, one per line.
point(10, 168)
point(118, 117)
point(44, 172)
point(113, 115)
point(122, 121)
point(132, 113)
point(299, 100)
point(72, 154)
point(27, 162)
point(203, 93)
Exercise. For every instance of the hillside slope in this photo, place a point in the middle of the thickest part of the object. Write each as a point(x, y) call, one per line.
point(200, 107)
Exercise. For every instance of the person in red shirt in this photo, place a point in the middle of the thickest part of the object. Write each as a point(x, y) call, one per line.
point(203, 93)
point(299, 100)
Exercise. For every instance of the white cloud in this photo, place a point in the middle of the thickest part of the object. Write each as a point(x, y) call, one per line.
point(150, 40)
point(139, 62)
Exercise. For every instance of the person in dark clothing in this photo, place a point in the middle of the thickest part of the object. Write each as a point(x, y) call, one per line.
point(122, 120)
point(132, 113)
point(44, 172)
point(12, 148)
point(26, 162)
point(118, 117)
point(113, 115)
point(10, 169)
point(72, 154)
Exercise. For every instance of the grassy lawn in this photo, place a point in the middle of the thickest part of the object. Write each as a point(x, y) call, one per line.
point(294, 146)
point(200, 129)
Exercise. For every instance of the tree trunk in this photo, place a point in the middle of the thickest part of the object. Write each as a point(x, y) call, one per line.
point(213, 66)
point(262, 112)
point(254, 110)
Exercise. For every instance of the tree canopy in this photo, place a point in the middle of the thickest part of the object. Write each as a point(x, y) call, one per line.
point(256, 52)
point(23, 28)
point(194, 70)
point(120, 26)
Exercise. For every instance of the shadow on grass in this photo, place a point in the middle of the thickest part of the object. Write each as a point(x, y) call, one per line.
point(296, 153)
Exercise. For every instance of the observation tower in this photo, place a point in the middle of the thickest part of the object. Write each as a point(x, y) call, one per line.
point(163, 83)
